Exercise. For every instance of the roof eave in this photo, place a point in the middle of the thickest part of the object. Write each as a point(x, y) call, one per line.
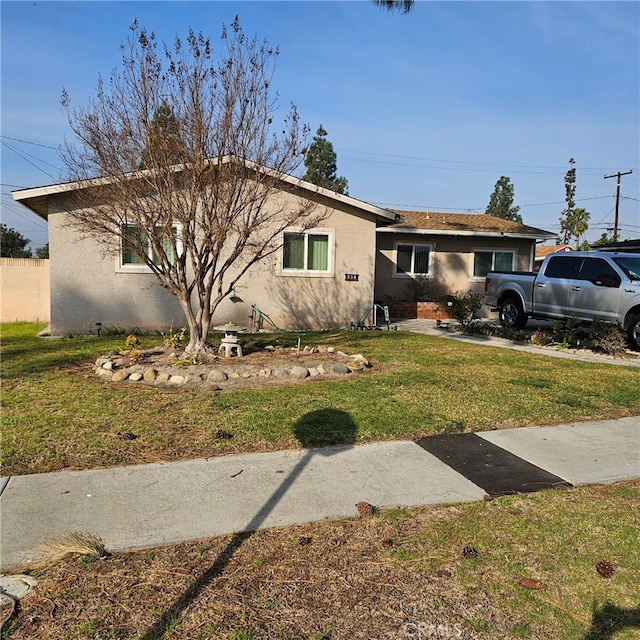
point(35, 199)
point(468, 233)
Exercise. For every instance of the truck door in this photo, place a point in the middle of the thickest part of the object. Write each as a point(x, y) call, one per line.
point(595, 293)
point(551, 288)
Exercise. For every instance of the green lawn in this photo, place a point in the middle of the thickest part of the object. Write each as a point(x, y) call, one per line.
point(57, 414)
point(396, 574)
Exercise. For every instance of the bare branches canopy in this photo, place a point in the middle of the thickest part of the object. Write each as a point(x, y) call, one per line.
point(182, 161)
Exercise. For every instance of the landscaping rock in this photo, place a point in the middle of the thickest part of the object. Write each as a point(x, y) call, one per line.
point(215, 375)
point(135, 377)
point(120, 376)
point(149, 375)
point(299, 373)
point(340, 368)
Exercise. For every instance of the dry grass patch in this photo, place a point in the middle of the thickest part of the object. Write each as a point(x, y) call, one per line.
point(395, 574)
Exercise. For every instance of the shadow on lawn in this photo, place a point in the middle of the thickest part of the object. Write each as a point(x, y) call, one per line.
point(609, 619)
point(322, 428)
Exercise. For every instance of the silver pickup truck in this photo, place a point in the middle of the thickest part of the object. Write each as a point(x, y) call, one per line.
point(587, 285)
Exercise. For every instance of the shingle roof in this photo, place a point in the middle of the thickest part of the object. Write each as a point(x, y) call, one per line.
point(465, 222)
point(544, 250)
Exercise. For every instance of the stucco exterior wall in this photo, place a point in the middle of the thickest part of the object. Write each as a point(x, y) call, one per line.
point(88, 286)
point(25, 290)
point(451, 261)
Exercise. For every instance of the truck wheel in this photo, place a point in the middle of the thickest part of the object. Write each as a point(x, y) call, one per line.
point(633, 333)
point(512, 314)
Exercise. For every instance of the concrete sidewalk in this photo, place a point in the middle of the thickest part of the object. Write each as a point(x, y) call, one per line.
point(145, 506)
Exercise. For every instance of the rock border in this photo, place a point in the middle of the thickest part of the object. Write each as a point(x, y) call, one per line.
point(149, 367)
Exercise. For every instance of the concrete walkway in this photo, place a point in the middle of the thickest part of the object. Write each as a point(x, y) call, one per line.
point(429, 327)
point(144, 506)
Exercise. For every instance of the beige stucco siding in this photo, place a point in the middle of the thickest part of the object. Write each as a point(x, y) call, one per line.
point(451, 261)
point(89, 287)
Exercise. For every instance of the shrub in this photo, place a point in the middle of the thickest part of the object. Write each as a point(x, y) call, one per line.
point(566, 333)
point(461, 306)
point(606, 337)
point(174, 340)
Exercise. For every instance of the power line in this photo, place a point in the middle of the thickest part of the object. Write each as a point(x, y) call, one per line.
point(11, 148)
point(35, 144)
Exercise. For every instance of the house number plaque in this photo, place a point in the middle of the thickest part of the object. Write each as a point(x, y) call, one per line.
point(351, 277)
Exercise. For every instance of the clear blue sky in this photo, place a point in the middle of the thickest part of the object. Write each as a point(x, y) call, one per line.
point(425, 110)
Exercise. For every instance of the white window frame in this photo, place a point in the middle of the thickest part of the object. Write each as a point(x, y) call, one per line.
point(492, 251)
point(314, 273)
point(412, 273)
point(128, 267)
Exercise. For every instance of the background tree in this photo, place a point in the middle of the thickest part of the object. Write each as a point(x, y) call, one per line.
point(198, 225)
point(321, 163)
point(605, 239)
point(567, 213)
point(404, 6)
point(43, 252)
point(13, 244)
point(501, 202)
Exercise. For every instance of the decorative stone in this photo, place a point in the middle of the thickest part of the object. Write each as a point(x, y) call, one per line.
point(234, 375)
point(104, 373)
point(135, 377)
point(149, 375)
point(163, 378)
point(355, 366)
point(176, 379)
point(264, 373)
point(313, 372)
point(340, 368)
point(331, 349)
point(119, 376)
point(215, 375)
point(246, 374)
point(108, 365)
point(299, 373)
point(322, 370)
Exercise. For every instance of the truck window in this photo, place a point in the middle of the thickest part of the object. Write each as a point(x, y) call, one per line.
point(563, 267)
point(599, 272)
point(630, 265)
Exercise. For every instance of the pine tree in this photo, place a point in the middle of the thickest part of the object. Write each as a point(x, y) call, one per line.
point(501, 202)
point(321, 164)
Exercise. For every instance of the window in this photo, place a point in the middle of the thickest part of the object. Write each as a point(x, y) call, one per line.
point(485, 261)
point(599, 272)
point(565, 267)
point(412, 259)
point(134, 237)
point(305, 251)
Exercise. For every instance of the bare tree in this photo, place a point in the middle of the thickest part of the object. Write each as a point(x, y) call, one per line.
point(177, 163)
point(403, 6)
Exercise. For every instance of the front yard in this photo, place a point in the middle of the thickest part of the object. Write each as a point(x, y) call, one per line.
point(58, 415)
point(398, 574)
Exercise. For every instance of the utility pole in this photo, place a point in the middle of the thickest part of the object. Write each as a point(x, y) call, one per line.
point(615, 220)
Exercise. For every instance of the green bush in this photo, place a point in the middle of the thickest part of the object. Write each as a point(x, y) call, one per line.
point(461, 306)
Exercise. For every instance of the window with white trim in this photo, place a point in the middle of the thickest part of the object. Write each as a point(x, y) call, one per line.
point(133, 236)
point(413, 259)
point(306, 251)
point(485, 261)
